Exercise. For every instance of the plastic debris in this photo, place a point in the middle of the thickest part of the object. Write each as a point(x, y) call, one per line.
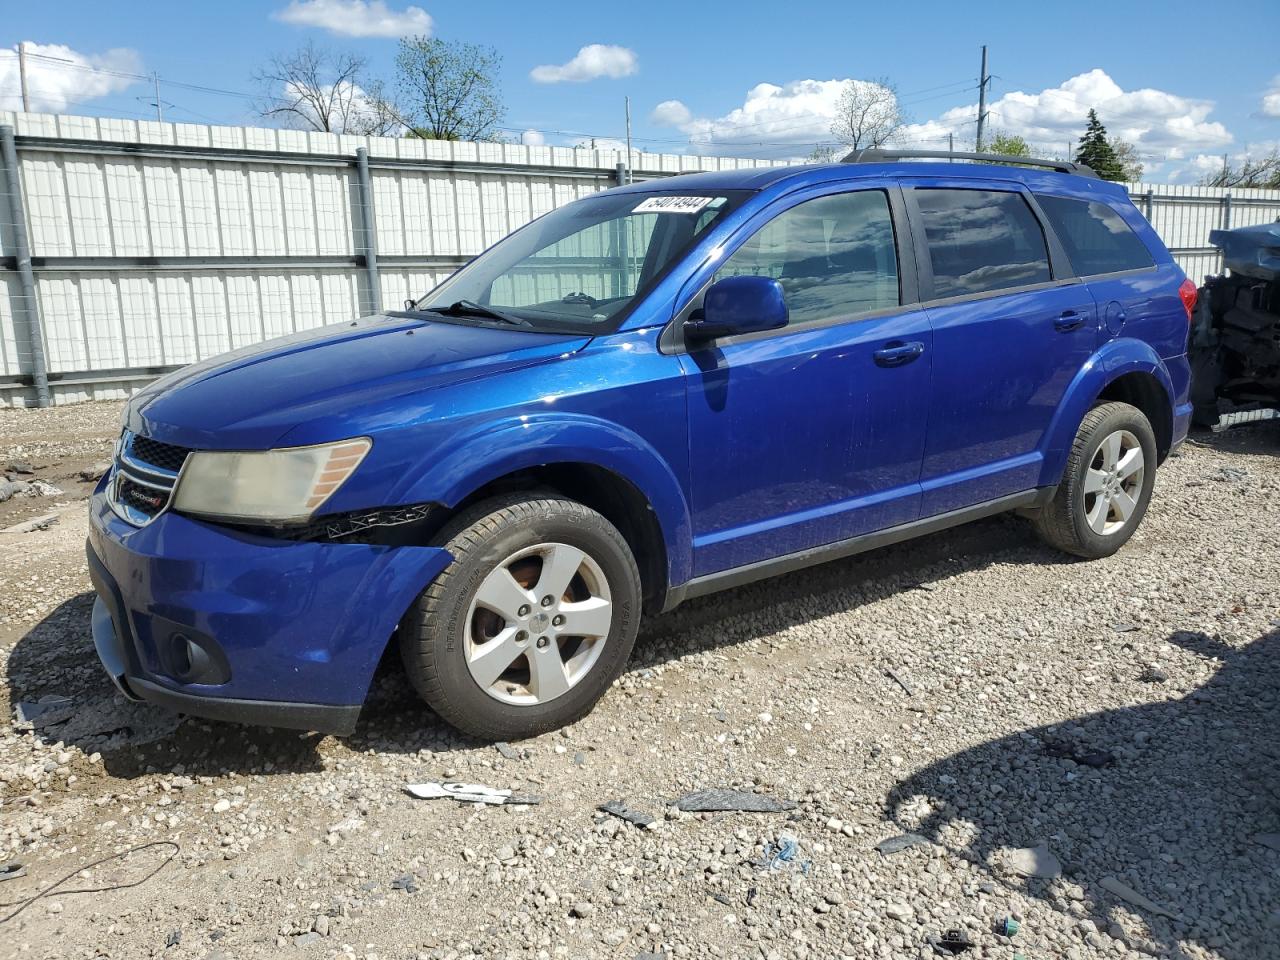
point(620, 810)
point(784, 854)
point(899, 843)
point(173, 939)
point(897, 678)
point(1128, 894)
point(467, 793)
point(12, 870)
point(707, 801)
point(1035, 862)
point(951, 942)
point(1087, 758)
point(1124, 627)
point(32, 525)
point(1009, 927)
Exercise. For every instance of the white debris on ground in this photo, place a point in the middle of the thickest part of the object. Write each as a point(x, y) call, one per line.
point(1047, 757)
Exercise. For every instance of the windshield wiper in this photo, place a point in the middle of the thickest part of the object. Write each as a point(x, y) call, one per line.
point(469, 308)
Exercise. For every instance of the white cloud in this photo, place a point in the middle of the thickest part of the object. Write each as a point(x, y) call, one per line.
point(773, 121)
point(591, 62)
point(533, 138)
point(670, 113)
point(1155, 122)
point(1271, 99)
point(356, 18)
point(59, 78)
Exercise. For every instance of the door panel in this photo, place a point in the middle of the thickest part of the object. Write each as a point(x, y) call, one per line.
point(1011, 329)
point(813, 433)
point(804, 439)
point(1001, 367)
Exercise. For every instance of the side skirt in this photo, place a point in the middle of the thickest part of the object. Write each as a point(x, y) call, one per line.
point(776, 566)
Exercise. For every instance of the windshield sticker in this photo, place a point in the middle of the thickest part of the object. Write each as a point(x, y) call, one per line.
point(673, 204)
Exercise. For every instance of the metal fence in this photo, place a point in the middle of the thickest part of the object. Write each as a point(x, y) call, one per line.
point(152, 245)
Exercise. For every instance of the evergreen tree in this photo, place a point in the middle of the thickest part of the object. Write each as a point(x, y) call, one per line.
point(1096, 151)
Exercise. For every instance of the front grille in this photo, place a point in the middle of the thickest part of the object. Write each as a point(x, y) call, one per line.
point(143, 477)
point(163, 455)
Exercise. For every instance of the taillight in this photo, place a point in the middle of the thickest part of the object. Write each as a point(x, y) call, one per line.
point(1189, 295)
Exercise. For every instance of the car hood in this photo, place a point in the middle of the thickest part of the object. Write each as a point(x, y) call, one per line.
point(252, 397)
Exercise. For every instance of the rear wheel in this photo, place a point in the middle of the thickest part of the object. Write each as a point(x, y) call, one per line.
point(1106, 486)
point(530, 624)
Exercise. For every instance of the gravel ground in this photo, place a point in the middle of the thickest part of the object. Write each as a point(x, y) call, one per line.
point(1121, 716)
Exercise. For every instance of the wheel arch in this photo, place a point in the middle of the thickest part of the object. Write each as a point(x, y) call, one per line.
point(601, 465)
point(1126, 370)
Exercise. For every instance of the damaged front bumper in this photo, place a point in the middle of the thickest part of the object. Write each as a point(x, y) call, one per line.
point(230, 625)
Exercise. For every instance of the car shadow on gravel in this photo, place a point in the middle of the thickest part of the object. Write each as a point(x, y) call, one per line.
point(1181, 814)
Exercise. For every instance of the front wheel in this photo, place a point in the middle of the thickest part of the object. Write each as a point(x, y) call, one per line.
point(1106, 486)
point(532, 621)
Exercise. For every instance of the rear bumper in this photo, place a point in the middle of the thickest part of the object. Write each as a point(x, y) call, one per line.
point(285, 634)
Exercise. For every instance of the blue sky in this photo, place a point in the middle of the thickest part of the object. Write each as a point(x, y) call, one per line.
point(742, 78)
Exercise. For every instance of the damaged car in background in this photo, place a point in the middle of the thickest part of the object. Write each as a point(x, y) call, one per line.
point(1235, 337)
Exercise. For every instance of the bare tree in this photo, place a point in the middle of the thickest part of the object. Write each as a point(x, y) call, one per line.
point(326, 90)
point(1131, 163)
point(1264, 172)
point(824, 153)
point(450, 89)
point(867, 114)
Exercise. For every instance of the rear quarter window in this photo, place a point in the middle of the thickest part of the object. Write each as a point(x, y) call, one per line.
point(1096, 238)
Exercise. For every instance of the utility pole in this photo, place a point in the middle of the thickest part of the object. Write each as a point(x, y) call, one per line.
point(159, 112)
point(627, 101)
point(983, 80)
point(951, 145)
point(22, 76)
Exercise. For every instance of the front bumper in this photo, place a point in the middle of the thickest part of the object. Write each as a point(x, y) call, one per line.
point(287, 633)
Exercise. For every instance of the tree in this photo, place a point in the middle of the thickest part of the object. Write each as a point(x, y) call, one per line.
point(449, 89)
point(824, 153)
point(1127, 156)
point(1251, 173)
point(1009, 145)
point(867, 114)
point(1097, 152)
point(326, 90)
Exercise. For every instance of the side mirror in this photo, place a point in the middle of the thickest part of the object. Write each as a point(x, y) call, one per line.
point(737, 305)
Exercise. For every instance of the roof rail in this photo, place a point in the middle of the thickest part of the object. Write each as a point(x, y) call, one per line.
point(875, 155)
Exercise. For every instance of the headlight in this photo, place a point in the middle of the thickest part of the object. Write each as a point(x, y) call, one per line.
point(275, 485)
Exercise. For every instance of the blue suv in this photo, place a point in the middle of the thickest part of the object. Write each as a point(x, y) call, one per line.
point(649, 394)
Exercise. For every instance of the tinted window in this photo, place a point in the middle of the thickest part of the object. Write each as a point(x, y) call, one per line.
point(834, 256)
point(981, 240)
point(1096, 237)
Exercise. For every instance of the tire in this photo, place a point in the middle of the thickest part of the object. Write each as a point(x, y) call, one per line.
point(1070, 521)
point(453, 640)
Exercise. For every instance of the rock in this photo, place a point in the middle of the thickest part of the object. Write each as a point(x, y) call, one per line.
point(22, 467)
point(321, 925)
point(897, 910)
point(582, 908)
point(899, 843)
point(222, 806)
point(1035, 862)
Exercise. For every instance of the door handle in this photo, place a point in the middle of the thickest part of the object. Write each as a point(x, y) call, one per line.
point(1069, 320)
point(897, 353)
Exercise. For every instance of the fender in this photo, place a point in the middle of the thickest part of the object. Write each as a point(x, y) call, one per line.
point(1115, 359)
point(491, 451)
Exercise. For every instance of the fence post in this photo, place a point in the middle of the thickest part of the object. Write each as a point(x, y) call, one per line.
point(620, 173)
point(1226, 210)
point(369, 225)
point(1149, 200)
point(39, 372)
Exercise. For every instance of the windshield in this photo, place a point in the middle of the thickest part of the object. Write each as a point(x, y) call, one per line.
point(581, 267)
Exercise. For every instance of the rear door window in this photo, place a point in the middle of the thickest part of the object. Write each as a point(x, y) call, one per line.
point(1096, 237)
point(834, 256)
point(981, 241)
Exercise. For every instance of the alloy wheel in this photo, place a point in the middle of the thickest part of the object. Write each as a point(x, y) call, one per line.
point(1113, 483)
point(537, 624)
